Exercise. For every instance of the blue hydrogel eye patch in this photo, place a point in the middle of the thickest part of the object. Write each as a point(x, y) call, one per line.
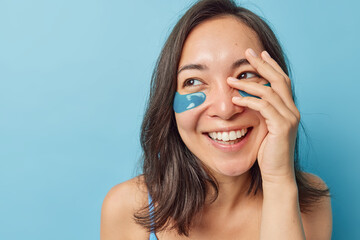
point(245, 94)
point(188, 101)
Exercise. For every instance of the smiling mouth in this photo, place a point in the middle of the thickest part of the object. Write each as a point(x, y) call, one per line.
point(229, 138)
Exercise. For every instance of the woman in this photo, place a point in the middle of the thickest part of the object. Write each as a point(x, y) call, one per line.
point(220, 141)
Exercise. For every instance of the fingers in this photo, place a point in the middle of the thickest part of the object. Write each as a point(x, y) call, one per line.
point(276, 123)
point(262, 66)
point(265, 55)
point(271, 71)
point(264, 92)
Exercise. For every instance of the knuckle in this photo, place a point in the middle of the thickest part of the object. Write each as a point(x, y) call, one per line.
point(297, 114)
point(293, 121)
point(284, 79)
point(260, 63)
point(287, 81)
point(269, 91)
point(265, 104)
point(288, 126)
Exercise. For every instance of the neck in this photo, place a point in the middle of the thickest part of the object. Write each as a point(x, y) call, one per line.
point(233, 192)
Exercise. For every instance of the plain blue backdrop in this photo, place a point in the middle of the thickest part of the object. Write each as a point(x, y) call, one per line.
point(74, 78)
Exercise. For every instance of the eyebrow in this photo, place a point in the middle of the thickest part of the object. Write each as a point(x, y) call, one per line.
point(192, 67)
point(240, 62)
point(200, 67)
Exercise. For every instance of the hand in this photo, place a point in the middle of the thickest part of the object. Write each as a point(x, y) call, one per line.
point(276, 152)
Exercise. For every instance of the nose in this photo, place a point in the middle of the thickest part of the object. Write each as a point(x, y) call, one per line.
point(222, 105)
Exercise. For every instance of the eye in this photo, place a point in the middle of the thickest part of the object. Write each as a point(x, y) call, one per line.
point(192, 82)
point(247, 75)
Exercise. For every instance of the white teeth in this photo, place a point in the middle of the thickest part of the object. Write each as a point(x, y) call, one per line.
point(211, 135)
point(228, 136)
point(232, 135)
point(225, 136)
point(214, 135)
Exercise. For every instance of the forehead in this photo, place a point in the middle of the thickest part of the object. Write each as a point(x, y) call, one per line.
point(219, 38)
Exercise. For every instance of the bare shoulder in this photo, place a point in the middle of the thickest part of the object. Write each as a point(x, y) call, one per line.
point(119, 206)
point(318, 222)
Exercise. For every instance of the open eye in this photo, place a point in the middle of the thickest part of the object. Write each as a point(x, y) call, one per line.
point(247, 75)
point(192, 82)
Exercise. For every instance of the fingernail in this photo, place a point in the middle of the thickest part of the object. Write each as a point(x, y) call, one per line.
point(236, 98)
point(266, 54)
point(252, 52)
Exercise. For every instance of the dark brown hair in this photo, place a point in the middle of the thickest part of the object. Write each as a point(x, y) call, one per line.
point(176, 179)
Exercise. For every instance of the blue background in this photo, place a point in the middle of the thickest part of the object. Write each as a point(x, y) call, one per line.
point(74, 77)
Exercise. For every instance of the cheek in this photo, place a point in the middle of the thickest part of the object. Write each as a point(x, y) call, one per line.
point(188, 109)
point(186, 121)
point(189, 125)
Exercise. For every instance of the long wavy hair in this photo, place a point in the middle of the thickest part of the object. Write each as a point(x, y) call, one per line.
point(175, 178)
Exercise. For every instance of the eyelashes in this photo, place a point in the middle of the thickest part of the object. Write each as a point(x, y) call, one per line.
point(248, 75)
point(193, 82)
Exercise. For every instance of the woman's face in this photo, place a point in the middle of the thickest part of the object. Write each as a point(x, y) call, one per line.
point(214, 51)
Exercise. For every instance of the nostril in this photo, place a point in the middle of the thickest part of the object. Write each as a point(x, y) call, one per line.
point(226, 110)
point(220, 103)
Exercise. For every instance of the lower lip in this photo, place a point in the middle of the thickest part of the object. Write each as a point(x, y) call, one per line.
point(231, 147)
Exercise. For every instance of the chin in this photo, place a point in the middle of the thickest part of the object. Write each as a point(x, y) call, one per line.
point(233, 168)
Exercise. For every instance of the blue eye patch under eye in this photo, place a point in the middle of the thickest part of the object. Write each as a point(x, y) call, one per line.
point(245, 94)
point(187, 101)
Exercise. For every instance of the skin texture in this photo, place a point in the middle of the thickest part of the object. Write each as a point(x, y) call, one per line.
point(218, 113)
point(274, 214)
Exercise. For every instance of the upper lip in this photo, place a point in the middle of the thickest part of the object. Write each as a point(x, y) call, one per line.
point(227, 129)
